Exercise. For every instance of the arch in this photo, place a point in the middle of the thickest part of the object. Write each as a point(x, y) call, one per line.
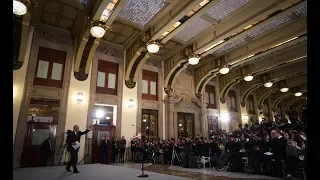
point(173, 74)
point(134, 66)
point(291, 103)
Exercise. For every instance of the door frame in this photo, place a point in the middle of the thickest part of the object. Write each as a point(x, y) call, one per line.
point(193, 122)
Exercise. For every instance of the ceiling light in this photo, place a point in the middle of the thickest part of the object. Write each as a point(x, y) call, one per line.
point(298, 94)
point(180, 124)
point(284, 89)
point(248, 78)
point(144, 120)
point(98, 29)
point(194, 59)
point(224, 70)
point(20, 8)
point(268, 84)
point(107, 117)
point(153, 46)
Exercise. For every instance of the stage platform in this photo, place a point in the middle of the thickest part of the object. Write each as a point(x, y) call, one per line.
point(88, 172)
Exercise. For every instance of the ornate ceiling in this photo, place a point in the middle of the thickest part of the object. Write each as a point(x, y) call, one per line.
point(250, 36)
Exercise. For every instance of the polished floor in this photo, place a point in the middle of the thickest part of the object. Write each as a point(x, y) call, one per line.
point(87, 172)
point(204, 174)
point(126, 171)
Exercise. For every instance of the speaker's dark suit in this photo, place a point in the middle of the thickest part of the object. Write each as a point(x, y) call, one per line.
point(105, 151)
point(71, 138)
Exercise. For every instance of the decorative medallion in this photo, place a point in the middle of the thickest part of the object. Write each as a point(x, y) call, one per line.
point(259, 107)
point(130, 84)
point(222, 100)
point(81, 75)
point(243, 104)
point(17, 27)
point(168, 91)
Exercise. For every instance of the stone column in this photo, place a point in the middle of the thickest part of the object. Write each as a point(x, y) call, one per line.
point(169, 120)
point(204, 121)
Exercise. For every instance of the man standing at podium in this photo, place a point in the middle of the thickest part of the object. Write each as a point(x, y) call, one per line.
point(73, 140)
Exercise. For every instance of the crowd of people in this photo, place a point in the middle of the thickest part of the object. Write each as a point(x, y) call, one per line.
point(274, 148)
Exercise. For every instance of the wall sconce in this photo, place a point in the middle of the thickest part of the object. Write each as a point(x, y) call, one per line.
point(79, 97)
point(131, 103)
point(245, 118)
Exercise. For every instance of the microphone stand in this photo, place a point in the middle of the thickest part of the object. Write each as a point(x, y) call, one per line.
point(142, 175)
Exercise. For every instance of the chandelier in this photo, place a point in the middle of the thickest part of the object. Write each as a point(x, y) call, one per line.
point(268, 84)
point(153, 46)
point(98, 29)
point(284, 89)
point(194, 59)
point(248, 78)
point(224, 70)
point(21, 7)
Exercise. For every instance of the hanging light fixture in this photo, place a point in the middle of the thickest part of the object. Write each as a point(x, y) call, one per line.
point(20, 7)
point(153, 46)
point(298, 94)
point(268, 84)
point(98, 29)
point(248, 77)
point(284, 89)
point(194, 59)
point(224, 70)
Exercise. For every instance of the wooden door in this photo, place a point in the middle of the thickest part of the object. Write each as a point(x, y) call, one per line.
point(185, 125)
point(37, 133)
point(97, 135)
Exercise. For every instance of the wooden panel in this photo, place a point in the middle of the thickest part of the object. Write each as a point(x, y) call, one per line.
point(96, 148)
point(251, 105)
point(212, 96)
point(52, 56)
point(150, 76)
point(232, 101)
point(108, 68)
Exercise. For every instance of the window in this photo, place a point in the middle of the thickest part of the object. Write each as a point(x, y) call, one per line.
point(149, 85)
point(232, 101)
point(107, 78)
point(185, 125)
point(149, 123)
point(250, 105)
point(210, 97)
point(212, 125)
point(50, 67)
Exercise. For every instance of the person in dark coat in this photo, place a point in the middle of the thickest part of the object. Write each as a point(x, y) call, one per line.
point(72, 138)
point(122, 143)
point(105, 146)
point(45, 151)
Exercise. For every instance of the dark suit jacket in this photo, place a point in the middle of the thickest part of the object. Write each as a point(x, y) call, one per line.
point(72, 137)
point(105, 146)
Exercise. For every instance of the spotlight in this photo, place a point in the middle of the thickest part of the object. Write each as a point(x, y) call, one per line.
point(153, 46)
point(20, 8)
point(284, 89)
point(99, 114)
point(298, 94)
point(248, 78)
point(98, 29)
point(194, 59)
point(268, 84)
point(224, 70)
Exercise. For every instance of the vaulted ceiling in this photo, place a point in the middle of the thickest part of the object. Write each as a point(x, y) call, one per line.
point(262, 38)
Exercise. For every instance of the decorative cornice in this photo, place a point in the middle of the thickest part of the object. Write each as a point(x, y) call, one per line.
point(17, 27)
point(53, 36)
point(110, 50)
point(130, 83)
point(168, 91)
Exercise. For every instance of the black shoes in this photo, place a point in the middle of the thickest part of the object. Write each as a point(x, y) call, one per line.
point(75, 171)
point(68, 169)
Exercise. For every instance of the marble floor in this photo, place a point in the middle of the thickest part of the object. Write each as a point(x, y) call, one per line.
point(204, 174)
point(87, 172)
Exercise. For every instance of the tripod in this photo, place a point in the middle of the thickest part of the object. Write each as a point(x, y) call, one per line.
point(173, 156)
point(87, 156)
